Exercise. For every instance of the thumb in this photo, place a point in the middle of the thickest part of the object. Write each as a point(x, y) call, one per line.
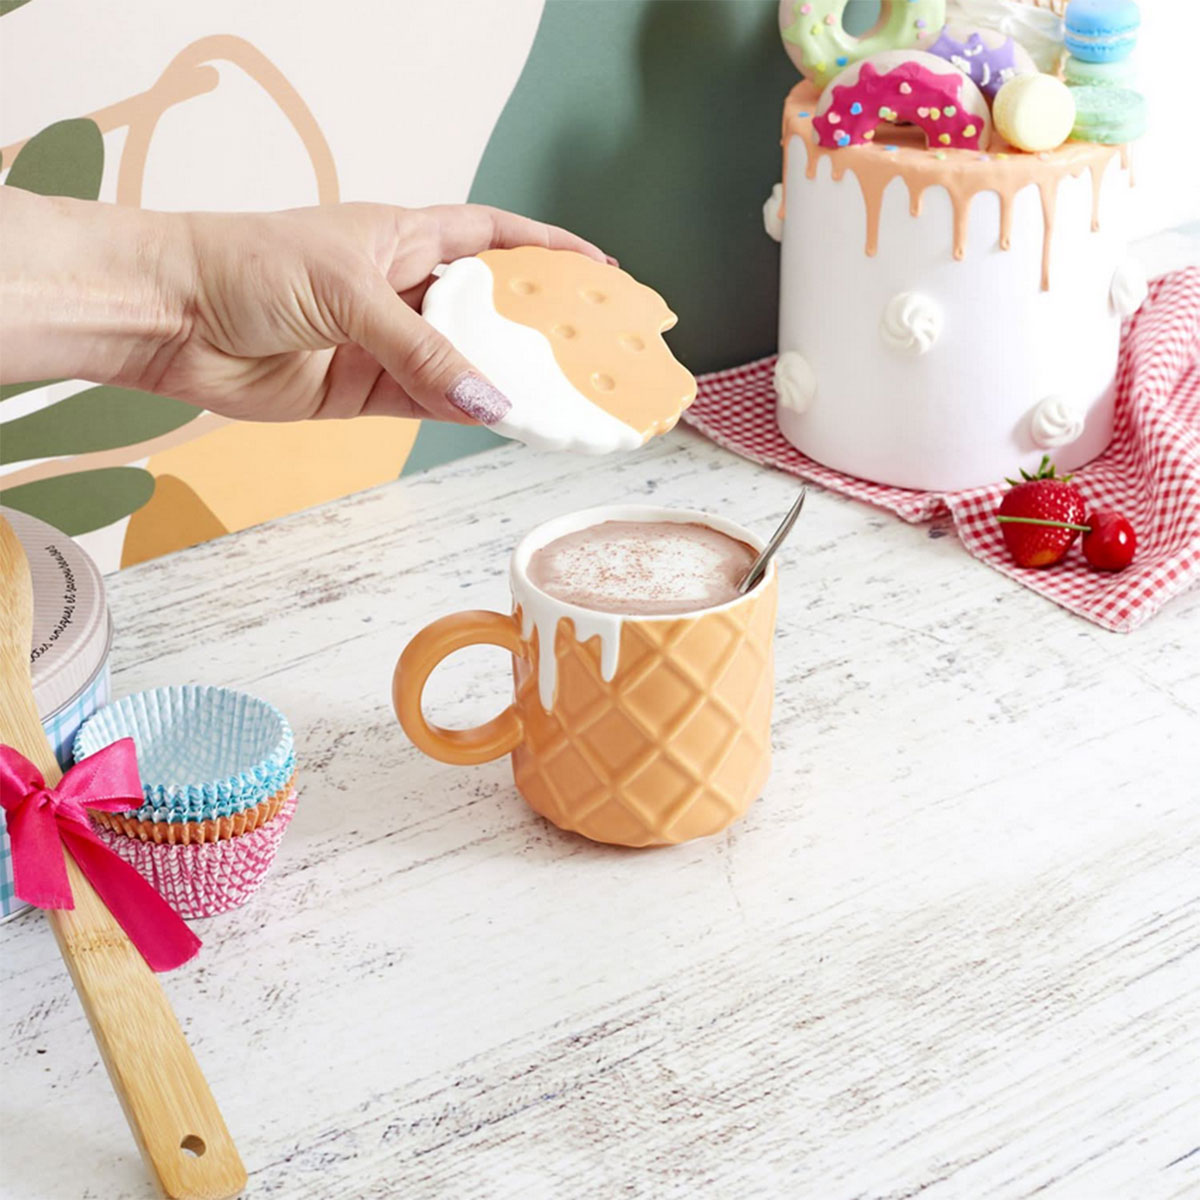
point(437, 378)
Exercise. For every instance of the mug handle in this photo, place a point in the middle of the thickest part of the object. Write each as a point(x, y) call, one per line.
point(463, 747)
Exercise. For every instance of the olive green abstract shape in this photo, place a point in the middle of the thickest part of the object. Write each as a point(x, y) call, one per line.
point(438, 442)
point(84, 501)
point(8, 390)
point(99, 418)
point(65, 159)
point(7, 6)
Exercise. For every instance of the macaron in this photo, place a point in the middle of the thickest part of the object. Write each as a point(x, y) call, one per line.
point(1034, 112)
point(1110, 115)
point(1078, 72)
point(1101, 30)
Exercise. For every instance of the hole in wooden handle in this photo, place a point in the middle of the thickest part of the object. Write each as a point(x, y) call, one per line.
point(193, 1145)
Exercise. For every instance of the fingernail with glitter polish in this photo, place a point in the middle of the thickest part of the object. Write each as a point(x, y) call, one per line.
point(473, 395)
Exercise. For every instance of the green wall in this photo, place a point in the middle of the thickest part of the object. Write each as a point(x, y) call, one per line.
point(652, 128)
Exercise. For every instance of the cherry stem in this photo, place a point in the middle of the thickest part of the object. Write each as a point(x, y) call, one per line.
point(1039, 521)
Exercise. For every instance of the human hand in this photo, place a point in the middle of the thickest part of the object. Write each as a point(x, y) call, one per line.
point(315, 312)
point(258, 316)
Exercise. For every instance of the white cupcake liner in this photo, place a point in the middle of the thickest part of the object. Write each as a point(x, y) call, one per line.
point(203, 752)
point(203, 879)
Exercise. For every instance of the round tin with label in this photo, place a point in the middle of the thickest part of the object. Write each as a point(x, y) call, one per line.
point(72, 634)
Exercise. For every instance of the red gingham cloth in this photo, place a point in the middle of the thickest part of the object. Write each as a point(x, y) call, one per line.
point(1150, 471)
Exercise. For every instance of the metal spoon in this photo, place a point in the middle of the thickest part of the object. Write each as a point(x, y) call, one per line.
point(759, 565)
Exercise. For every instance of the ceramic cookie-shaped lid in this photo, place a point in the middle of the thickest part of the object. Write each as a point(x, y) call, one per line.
point(576, 346)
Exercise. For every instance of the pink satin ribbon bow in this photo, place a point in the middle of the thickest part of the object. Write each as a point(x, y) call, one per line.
point(43, 822)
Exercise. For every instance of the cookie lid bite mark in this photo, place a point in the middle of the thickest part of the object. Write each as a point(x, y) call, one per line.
point(575, 344)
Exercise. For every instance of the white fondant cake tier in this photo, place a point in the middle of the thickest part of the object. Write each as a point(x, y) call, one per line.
point(943, 361)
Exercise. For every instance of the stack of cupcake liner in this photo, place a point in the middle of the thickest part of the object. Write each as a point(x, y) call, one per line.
point(218, 771)
point(204, 879)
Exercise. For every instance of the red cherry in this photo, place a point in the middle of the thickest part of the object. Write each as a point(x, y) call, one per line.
point(1110, 542)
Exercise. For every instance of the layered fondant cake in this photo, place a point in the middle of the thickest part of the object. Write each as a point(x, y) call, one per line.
point(951, 302)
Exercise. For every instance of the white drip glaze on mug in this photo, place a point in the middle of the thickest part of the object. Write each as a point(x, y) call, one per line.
point(537, 614)
point(543, 613)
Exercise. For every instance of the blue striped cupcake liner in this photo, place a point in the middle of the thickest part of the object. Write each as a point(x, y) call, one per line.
point(203, 752)
point(251, 794)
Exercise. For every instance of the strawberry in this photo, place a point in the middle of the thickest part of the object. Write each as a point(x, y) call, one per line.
point(1110, 542)
point(1040, 516)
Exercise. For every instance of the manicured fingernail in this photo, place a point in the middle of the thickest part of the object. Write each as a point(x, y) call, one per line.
point(612, 262)
point(473, 395)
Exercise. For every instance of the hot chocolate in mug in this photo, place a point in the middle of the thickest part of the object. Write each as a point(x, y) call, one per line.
point(636, 730)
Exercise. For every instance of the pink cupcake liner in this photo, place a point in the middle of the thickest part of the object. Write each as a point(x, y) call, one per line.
point(203, 879)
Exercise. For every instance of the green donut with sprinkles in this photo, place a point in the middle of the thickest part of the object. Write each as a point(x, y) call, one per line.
point(817, 41)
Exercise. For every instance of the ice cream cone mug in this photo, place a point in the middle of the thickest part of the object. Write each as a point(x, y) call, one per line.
point(635, 730)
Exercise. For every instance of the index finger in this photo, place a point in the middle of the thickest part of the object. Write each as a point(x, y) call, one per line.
point(471, 228)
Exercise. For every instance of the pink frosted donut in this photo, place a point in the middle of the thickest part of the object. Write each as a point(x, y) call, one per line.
point(903, 85)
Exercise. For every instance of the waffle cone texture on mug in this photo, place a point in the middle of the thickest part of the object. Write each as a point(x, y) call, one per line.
point(675, 746)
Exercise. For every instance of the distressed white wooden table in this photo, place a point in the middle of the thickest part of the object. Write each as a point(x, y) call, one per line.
point(953, 951)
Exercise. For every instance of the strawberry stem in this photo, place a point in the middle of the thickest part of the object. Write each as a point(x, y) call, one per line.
point(1046, 470)
point(1039, 521)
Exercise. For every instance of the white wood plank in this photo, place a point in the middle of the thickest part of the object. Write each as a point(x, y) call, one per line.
point(954, 951)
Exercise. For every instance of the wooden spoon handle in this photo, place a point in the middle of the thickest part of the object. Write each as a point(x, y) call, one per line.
point(173, 1115)
point(178, 1127)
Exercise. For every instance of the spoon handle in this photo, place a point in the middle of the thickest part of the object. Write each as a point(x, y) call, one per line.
point(759, 566)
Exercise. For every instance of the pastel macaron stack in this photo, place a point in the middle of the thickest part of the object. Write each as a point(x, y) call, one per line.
point(1100, 36)
point(218, 771)
point(1091, 102)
